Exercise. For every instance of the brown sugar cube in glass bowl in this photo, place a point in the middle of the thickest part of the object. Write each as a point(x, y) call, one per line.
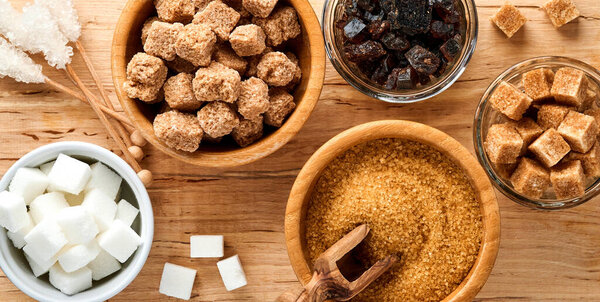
point(569, 86)
point(226, 56)
point(504, 170)
point(503, 144)
point(550, 116)
point(529, 131)
point(248, 131)
point(276, 69)
point(195, 44)
point(161, 40)
point(180, 65)
point(568, 179)
point(561, 12)
point(537, 83)
point(254, 98)
point(259, 8)
point(589, 160)
point(146, 93)
point(510, 101)
point(219, 17)
point(589, 98)
point(550, 147)
point(217, 119)
point(595, 113)
point(178, 130)
point(175, 10)
point(508, 19)
point(530, 178)
point(579, 130)
point(179, 93)
point(217, 82)
point(247, 40)
point(146, 69)
point(280, 26)
point(281, 104)
point(146, 28)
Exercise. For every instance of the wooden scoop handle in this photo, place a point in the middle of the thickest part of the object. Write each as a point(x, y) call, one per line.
point(294, 294)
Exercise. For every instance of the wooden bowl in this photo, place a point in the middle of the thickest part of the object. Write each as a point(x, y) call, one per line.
point(309, 49)
point(301, 192)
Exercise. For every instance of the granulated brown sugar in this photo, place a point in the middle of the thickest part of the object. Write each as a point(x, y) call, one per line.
point(419, 206)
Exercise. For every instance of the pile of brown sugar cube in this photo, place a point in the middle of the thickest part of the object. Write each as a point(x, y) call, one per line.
point(220, 66)
point(548, 147)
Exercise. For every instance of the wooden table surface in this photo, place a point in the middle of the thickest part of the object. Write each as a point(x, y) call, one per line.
point(543, 255)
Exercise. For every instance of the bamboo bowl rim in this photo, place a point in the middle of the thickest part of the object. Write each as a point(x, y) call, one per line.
point(311, 85)
point(448, 146)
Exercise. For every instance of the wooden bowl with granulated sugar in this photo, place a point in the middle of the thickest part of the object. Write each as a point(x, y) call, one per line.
point(483, 197)
point(309, 48)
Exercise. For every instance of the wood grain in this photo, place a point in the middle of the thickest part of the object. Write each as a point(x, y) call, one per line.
point(544, 256)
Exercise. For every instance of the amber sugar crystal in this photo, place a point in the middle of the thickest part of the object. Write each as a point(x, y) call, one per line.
point(530, 178)
point(509, 19)
point(561, 12)
point(509, 100)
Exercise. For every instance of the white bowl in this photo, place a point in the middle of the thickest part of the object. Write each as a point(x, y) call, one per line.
point(12, 260)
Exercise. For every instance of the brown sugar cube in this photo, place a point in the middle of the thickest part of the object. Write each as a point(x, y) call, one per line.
point(253, 62)
point(161, 40)
point(175, 10)
point(219, 17)
point(180, 131)
point(508, 19)
point(503, 144)
point(550, 116)
point(254, 98)
point(259, 8)
point(589, 99)
point(281, 104)
point(561, 12)
point(510, 101)
point(146, 28)
point(179, 93)
point(147, 93)
point(247, 40)
point(298, 73)
point(595, 113)
point(217, 119)
point(195, 44)
point(590, 160)
point(579, 130)
point(529, 131)
point(200, 5)
point(568, 179)
point(280, 26)
point(550, 147)
point(217, 82)
point(248, 131)
point(536, 84)
point(504, 170)
point(226, 56)
point(276, 69)
point(530, 178)
point(180, 65)
point(569, 86)
point(146, 69)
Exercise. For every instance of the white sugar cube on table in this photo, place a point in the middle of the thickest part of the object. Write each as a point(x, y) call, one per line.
point(102, 207)
point(70, 283)
point(69, 174)
point(77, 224)
point(103, 265)
point(177, 281)
point(13, 211)
point(78, 256)
point(44, 240)
point(232, 273)
point(47, 167)
point(206, 246)
point(18, 237)
point(47, 205)
point(120, 241)
point(29, 183)
point(40, 268)
point(104, 179)
point(126, 212)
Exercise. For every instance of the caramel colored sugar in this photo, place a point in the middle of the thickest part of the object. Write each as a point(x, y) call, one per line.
point(419, 206)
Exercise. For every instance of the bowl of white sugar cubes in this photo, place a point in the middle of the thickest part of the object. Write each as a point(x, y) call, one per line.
point(77, 223)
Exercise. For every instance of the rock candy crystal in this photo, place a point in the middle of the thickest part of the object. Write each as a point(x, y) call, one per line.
point(18, 65)
point(65, 15)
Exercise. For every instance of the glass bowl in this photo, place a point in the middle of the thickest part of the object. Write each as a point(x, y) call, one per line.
point(485, 116)
point(333, 9)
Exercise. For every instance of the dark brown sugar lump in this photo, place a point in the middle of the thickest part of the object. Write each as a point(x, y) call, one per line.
point(503, 144)
point(281, 104)
point(146, 69)
point(280, 26)
point(219, 17)
point(217, 119)
point(180, 131)
point(550, 147)
point(217, 82)
point(175, 10)
point(179, 93)
point(195, 44)
point(248, 131)
point(568, 179)
point(530, 178)
point(161, 40)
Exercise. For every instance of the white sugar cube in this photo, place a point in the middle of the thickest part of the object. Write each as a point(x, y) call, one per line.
point(29, 183)
point(126, 212)
point(13, 211)
point(177, 281)
point(78, 256)
point(206, 246)
point(47, 167)
point(18, 237)
point(102, 207)
point(70, 283)
point(77, 224)
point(104, 179)
point(47, 206)
point(232, 273)
point(44, 240)
point(69, 175)
point(40, 268)
point(120, 241)
point(103, 265)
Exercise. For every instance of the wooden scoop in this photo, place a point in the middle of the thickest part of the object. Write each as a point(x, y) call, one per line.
point(328, 283)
